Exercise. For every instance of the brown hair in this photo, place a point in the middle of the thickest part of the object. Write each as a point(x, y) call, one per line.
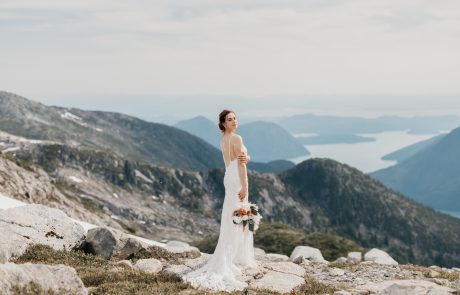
point(222, 117)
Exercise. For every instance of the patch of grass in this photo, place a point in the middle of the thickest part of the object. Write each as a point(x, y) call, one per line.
point(206, 245)
point(128, 228)
point(31, 288)
point(102, 276)
point(24, 163)
point(345, 265)
point(164, 255)
point(312, 287)
point(450, 276)
point(282, 239)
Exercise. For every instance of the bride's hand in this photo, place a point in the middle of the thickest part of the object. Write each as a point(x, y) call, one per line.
point(243, 158)
point(242, 194)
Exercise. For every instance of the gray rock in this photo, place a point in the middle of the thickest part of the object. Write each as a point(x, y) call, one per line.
point(355, 256)
point(151, 265)
point(341, 260)
point(407, 287)
point(277, 282)
point(285, 267)
point(309, 253)
point(108, 243)
point(177, 269)
point(183, 252)
point(336, 271)
point(276, 257)
point(379, 256)
point(177, 244)
point(37, 224)
point(59, 279)
point(259, 253)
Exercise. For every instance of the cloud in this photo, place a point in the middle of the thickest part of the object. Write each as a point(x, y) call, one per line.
point(251, 48)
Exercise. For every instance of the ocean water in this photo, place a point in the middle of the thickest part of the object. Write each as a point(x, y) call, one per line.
point(452, 213)
point(366, 156)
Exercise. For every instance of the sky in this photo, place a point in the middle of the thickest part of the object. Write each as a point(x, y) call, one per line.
point(167, 60)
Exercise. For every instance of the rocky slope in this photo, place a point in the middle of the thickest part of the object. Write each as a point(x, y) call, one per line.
point(316, 195)
point(344, 200)
point(45, 252)
point(121, 134)
point(431, 176)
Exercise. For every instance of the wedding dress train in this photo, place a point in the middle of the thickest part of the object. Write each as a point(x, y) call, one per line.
point(235, 249)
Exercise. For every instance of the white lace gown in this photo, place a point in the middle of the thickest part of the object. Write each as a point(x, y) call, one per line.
point(235, 249)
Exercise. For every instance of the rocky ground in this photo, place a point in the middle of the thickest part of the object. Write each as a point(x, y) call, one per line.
point(44, 251)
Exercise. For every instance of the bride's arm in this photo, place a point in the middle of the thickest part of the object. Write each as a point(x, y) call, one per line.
point(242, 170)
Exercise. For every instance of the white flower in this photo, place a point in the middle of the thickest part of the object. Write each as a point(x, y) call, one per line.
point(245, 217)
point(236, 219)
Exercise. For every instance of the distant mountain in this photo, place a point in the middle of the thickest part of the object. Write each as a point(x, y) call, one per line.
point(125, 135)
point(309, 123)
point(271, 167)
point(203, 128)
point(343, 200)
point(333, 139)
point(265, 141)
point(316, 195)
point(431, 176)
point(408, 151)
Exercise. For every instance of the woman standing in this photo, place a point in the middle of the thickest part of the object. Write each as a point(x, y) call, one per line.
point(235, 249)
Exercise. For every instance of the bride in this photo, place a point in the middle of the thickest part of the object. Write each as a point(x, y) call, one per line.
point(234, 251)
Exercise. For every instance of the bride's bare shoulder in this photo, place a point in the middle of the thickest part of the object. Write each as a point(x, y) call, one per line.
point(237, 138)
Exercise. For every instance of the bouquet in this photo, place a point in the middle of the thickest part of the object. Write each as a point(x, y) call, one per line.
point(247, 214)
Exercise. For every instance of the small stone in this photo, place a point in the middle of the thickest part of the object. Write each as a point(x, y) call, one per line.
point(258, 253)
point(310, 253)
point(341, 260)
point(441, 282)
point(336, 272)
point(433, 274)
point(380, 257)
point(298, 260)
point(151, 265)
point(355, 256)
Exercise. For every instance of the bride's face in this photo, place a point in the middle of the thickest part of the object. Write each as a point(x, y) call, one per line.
point(231, 123)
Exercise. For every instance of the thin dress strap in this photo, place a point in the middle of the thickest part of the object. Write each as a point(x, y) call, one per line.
point(229, 151)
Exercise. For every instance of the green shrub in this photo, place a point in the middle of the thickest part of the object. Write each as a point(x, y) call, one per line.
point(282, 239)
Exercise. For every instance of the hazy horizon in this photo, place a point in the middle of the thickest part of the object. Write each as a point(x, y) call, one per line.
point(171, 109)
point(351, 57)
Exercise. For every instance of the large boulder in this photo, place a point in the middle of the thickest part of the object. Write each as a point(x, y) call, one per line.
point(56, 279)
point(379, 256)
point(37, 224)
point(109, 242)
point(309, 253)
point(405, 287)
point(280, 277)
point(183, 252)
